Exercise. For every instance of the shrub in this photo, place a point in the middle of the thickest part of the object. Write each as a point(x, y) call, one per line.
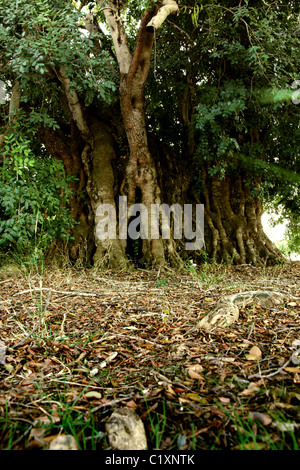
point(34, 196)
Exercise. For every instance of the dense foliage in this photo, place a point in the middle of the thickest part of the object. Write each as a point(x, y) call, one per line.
point(33, 198)
point(37, 40)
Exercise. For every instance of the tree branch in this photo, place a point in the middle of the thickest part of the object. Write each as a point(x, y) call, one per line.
point(168, 7)
point(118, 35)
point(14, 106)
point(74, 104)
point(143, 49)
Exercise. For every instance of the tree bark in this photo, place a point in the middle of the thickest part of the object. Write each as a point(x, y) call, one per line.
point(67, 150)
point(109, 252)
point(141, 169)
point(94, 185)
point(96, 157)
point(234, 232)
point(14, 106)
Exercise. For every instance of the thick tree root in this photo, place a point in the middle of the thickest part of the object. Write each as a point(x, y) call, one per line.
point(227, 311)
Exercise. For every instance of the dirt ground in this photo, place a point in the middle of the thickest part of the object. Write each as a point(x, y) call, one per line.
point(78, 344)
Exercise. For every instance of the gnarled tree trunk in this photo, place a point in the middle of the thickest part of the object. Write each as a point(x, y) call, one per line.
point(94, 186)
point(234, 232)
point(141, 169)
point(109, 252)
point(68, 151)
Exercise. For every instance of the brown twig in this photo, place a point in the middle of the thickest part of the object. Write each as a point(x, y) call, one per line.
point(39, 289)
point(259, 376)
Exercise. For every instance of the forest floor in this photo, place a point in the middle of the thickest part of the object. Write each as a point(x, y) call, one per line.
point(78, 344)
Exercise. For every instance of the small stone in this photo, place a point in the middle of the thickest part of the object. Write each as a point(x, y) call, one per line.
point(63, 443)
point(125, 430)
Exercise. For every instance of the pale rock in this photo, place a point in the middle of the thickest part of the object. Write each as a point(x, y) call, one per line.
point(125, 430)
point(63, 443)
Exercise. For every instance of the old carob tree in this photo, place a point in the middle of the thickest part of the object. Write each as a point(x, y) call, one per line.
point(167, 101)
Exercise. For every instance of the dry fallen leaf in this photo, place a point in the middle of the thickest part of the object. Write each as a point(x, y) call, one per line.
point(9, 367)
point(2, 352)
point(292, 369)
point(178, 350)
point(131, 404)
point(255, 352)
point(36, 438)
point(251, 357)
point(286, 427)
point(93, 394)
point(253, 445)
point(296, 379)
point(196, 368)
point(224, 400)
point(45, 419)
point(296, 357)
point(169, 390)
point(295, 395)
point(194, 375)
point(112, 356)
point(197, 398)
point(252, 388)
point(194, 372)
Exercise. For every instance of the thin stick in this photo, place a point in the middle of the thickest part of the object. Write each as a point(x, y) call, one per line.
point(76, 383)
point(109, 403)
point(37, 289)
point(137, 338)
point(22, 435)
point(259, 376)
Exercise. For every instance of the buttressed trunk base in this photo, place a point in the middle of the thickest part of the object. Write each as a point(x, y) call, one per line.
point(234, 231)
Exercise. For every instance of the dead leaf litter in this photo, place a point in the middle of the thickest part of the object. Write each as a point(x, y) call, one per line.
point(88, 344)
